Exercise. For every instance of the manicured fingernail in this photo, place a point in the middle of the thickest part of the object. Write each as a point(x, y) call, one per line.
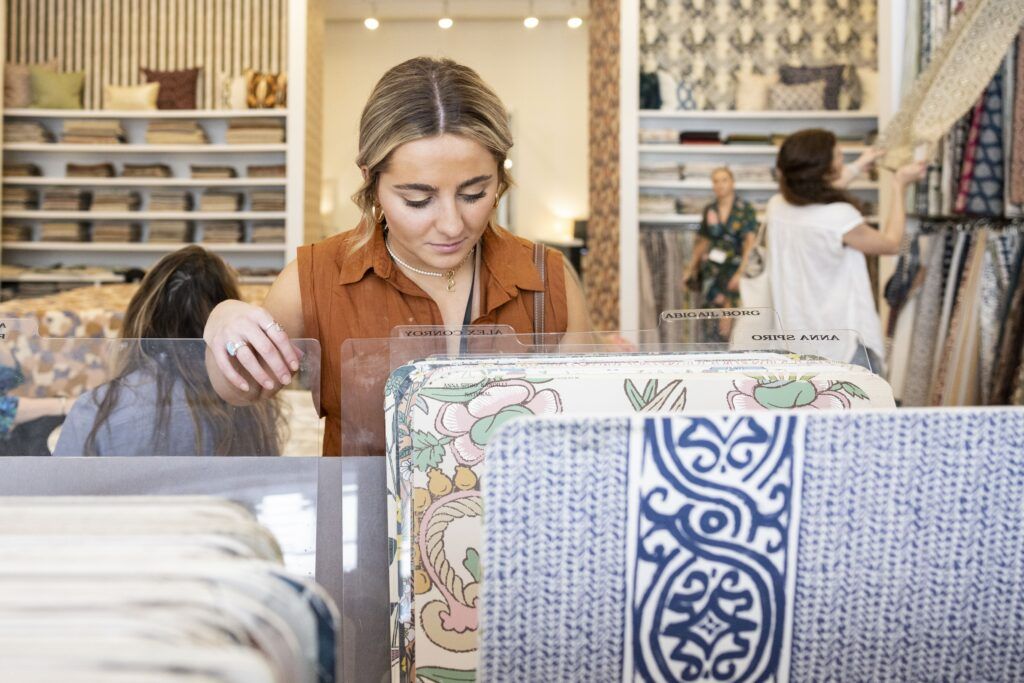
point(269, 385)
point(243, 386)
point(286, 379)
point(295, 365)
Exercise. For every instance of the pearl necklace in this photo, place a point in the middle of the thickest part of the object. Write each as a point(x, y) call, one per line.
point(450, 274)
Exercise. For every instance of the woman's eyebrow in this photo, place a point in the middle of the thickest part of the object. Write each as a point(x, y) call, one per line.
point(420, 187)
point(474, 181)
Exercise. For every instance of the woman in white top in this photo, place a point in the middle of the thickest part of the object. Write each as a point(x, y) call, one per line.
point(817, 240)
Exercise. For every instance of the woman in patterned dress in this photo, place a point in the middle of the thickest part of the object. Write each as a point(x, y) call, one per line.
point(728, 231)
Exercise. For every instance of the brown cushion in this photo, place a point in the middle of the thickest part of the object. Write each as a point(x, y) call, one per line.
point(266, 90)
point(177, 88)
point(832, 75)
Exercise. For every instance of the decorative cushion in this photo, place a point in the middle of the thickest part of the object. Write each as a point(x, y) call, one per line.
point(803, 97)
point(266, 90)
point(684, 93)
point(851, 94)
point(177, 88)
point(130, 97)
point(869, 89)
point(52, 90)
point(18, 83)
point(831, 75)
point(752, 91)
point(232, 91)
point(668, 89)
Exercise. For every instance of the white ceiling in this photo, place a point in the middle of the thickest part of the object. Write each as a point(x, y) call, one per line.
point(342, 10)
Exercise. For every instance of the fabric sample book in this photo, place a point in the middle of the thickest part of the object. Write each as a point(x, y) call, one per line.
point(774, 547)
point(440, 416)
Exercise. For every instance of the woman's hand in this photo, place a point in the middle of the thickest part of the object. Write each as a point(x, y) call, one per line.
point(262, 348)
point(911, 173)
point(734, 282)
point(868, 157)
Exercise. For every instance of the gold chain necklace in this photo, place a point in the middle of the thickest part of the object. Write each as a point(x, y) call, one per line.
point(450, 274)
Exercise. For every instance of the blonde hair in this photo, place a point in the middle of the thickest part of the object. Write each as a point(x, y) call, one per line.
point(421, 98)
point(726, 170)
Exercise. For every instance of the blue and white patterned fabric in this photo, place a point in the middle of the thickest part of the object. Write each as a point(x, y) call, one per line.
point(827, 546)
point(985, 195)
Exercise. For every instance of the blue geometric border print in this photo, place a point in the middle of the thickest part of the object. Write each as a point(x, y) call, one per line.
point(713, 540)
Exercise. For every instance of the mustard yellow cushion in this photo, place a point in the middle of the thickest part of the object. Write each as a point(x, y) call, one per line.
point(130, 97)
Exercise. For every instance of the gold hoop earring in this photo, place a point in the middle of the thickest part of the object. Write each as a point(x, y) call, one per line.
point(378, 219)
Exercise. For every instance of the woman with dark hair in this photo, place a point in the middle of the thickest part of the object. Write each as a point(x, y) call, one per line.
point(818, 238)
point(162, 386)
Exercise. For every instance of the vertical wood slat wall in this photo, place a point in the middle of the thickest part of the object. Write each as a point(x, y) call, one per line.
point(313, 219)
point(112, 39)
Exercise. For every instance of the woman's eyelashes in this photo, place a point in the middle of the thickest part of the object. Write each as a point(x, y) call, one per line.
point(422, 203)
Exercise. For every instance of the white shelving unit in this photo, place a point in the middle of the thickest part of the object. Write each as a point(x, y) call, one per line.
point(52, 158)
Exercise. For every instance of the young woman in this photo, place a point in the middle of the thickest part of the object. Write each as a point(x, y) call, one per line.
point(433, 140)
point(818, 238)
point(160, 401)
point(728, 231)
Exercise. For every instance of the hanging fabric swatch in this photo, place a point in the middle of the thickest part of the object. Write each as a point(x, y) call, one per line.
point(959, 70)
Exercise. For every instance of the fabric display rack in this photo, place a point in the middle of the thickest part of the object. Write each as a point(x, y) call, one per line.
point(159, 588)
point(955, 299)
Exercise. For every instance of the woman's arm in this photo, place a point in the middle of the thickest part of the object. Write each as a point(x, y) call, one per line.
point(852, 170)
point(576, 302)
point(749, 241)
point(700, 249)
point(267, 362)
point(887, 242)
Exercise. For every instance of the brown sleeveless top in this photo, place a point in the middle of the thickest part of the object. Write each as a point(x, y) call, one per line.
point(363, 295)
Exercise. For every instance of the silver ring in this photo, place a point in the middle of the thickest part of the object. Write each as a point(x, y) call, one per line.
point(273, 325)
point(233, 347)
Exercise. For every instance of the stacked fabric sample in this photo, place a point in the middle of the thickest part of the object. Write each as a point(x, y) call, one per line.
point(15, 170)
point(114, 232)
point(170, 200)
point(222, 232)
point(101, 170)
point(268, 131)
point(440, 416)
point(216, 200)
point(93, 132)
point(60, 231)
point(64, 199)
point(147, 171)
point(268, 233)
point(155, 588)
point(168, 231)
point(700, 137)
point(19, 198)
point(657, 204)
point(679, 536)
point(212, 172)
point(268, 200)
point(26, 132)
point(15, 232)
point(266, 171)
point(115, 200)
point(175, 132)
point(659, 136)
point(661, 170)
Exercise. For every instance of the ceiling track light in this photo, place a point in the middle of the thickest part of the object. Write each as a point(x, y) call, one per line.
point(531, 20)
point(446, 21)
point(575, 20)
point(371, 22)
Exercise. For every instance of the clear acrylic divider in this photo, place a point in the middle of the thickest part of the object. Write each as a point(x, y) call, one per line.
point(367, 365)
point(134, 397)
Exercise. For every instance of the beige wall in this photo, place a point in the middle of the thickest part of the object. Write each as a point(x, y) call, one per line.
point(541, 75)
